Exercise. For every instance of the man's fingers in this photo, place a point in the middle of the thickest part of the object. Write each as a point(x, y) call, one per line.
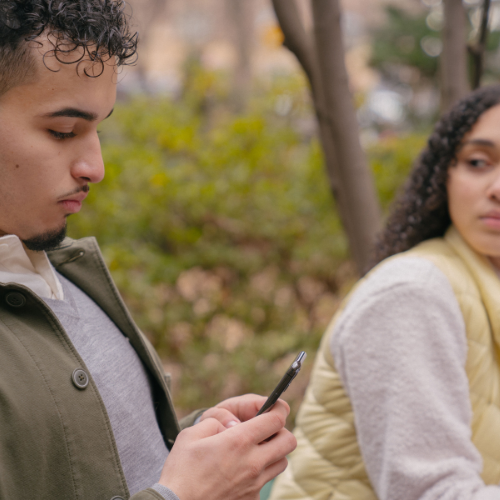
point(260, 428)
point(280, 408)
point(225, 417)
point(209, 427)
point(280, 405)
point(244, 407)
point(273, 470)
point(282, 444)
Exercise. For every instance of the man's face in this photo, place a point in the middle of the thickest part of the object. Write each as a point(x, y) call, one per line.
point(49, 147)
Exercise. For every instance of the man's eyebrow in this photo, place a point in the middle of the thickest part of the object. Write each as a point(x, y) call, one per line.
point(72, 113)
point(75, 113)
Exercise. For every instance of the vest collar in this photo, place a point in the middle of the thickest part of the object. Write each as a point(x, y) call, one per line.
point(483, 274)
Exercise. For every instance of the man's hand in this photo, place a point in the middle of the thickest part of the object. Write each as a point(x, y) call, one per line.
point(235, 410)
point(211, 462)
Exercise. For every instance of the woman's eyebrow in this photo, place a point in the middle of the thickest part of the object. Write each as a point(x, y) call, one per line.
point(479, 142)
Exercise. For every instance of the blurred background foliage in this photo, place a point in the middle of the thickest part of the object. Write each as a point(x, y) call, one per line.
point(405, 39)
point(413, 40)
point(221, 232)
point(405, 54)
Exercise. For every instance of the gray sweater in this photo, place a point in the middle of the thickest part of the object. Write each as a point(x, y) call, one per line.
point(400, 348)
point(123, 384)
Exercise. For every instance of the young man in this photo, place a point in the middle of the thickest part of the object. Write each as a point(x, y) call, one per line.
point(85, 411)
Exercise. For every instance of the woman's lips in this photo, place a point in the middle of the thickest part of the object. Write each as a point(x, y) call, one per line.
point(491, 220)
point(73, 206)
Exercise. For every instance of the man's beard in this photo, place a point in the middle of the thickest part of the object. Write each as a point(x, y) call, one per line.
point(46, 241)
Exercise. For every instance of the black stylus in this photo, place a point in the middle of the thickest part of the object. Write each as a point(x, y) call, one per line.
point(290, 374)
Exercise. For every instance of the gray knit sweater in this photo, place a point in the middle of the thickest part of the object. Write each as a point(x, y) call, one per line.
point(123, 384)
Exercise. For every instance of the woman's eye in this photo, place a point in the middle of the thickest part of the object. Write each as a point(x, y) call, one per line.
point(62, 135)
point(477, 162)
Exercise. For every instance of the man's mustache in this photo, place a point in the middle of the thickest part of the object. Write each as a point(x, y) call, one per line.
point(84, 189)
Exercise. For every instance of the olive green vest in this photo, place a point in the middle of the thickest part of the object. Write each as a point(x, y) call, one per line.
point(327, 464)
point(55, 439)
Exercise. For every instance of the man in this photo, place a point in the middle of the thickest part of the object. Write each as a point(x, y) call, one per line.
point(85, 411)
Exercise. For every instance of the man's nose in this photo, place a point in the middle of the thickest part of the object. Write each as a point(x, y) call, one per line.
point(89, 165)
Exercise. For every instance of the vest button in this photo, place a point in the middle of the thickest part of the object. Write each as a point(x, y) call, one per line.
point(80, 379)
point(15, 299)
point(117, 498)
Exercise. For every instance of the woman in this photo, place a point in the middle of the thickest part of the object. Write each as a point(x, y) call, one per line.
point(404, 399)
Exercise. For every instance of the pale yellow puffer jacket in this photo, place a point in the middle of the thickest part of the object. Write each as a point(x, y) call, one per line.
point(327, 464)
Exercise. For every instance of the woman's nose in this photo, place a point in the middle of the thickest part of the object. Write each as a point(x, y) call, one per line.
point(493, 191)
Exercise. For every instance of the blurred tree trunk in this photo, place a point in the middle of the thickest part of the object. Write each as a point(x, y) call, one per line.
point(322, 59)
point(297, 41)
point(477, 52)
point(241, 19)
point(454, 83)
point(356, 177)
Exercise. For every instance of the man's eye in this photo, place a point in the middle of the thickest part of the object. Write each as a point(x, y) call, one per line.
point(62, 135)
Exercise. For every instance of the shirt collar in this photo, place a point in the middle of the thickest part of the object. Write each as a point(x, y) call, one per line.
point(26, 267)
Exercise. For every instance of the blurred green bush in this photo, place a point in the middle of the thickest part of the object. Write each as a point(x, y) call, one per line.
point(222, 235)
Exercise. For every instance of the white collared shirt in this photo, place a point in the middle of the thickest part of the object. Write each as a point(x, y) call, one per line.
point(26, 267)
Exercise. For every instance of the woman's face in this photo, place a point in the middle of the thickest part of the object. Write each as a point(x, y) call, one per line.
point(474, 186)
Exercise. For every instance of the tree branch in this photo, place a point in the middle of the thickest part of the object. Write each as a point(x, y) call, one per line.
point(299, 44)
point(453, 62)
point(296, 39)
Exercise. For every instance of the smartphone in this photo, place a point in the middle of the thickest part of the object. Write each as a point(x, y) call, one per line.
point(290, 374)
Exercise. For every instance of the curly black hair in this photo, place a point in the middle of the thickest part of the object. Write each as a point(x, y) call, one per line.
point(99, 27)
point(420, 212)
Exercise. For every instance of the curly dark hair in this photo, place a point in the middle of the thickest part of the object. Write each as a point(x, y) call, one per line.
point(99, 27)
point(420, 212)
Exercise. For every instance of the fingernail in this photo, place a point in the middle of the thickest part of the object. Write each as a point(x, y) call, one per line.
point(232, 423)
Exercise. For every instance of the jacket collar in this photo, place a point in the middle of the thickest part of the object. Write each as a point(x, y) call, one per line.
point(82, 263)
